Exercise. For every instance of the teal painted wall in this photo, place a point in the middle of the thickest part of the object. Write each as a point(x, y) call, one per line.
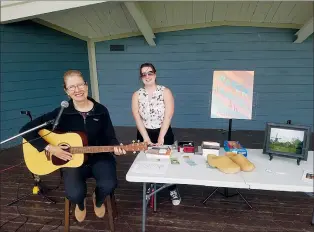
point(33, 60)
point(185, 61)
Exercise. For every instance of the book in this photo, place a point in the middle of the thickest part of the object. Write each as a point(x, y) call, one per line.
point(149, 167)
point(158, 153)
point(210, 148)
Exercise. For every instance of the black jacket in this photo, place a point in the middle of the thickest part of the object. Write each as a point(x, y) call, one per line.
point(97, 126)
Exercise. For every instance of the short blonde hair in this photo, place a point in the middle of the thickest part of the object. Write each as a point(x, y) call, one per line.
point(71, 73)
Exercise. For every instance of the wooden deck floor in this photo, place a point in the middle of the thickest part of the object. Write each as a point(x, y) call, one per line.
point(272, 211)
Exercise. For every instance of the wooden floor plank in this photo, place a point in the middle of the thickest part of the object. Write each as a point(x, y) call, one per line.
point(272, 211)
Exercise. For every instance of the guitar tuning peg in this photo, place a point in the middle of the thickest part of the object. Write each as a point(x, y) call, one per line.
point(138, 141)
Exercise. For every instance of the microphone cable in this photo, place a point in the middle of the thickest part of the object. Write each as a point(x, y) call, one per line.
point(17, 209)
point(2, 150)
point(28, 141)
point(64, 105)
point(18, 187)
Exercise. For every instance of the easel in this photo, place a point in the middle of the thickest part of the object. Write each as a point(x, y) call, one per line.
point(226, 190)
point(39, 188)
point(218, 78)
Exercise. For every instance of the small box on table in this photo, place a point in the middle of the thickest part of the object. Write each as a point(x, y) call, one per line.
point(235, 147)
point(186, 147)
point(210, 148)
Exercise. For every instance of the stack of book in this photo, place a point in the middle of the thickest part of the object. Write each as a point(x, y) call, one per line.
point(158, 153)
point(210, 148)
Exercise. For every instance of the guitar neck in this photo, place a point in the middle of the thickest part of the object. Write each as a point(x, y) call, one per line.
point(93, 149)
point(97, 149)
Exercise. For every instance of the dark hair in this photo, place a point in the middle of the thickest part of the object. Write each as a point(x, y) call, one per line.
point(147, 65)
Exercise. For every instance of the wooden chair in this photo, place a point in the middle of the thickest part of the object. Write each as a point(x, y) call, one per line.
point(111, 208)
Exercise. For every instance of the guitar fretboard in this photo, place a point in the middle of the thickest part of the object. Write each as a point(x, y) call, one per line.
point(98, 149)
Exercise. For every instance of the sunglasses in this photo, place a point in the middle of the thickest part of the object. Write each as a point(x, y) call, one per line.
point(150, 73)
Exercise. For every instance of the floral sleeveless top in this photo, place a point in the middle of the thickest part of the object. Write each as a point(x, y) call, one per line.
point(152, 110)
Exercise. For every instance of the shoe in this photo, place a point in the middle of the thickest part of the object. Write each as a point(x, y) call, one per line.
point(149, 189)
point(242, 161)
point(223, 163)
point(175, 197)
point(80, 214)
point(99, 211)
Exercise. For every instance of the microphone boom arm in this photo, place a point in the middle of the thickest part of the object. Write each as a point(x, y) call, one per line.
point(25, 132)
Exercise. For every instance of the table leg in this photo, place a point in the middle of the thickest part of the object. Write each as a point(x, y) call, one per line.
point(155, 198)
point(144, 207)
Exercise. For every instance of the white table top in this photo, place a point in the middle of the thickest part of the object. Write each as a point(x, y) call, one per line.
point(279, 174)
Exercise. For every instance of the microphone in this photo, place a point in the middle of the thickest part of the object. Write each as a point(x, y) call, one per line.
point(64, 104)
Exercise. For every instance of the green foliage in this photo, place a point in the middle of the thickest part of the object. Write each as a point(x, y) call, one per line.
point(293, 146)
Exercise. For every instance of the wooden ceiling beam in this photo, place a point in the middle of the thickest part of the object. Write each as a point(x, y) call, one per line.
point(21, 10)
point(141, 21)
point(305, 31)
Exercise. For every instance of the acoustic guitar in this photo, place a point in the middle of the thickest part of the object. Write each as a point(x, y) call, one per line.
point(43, 163)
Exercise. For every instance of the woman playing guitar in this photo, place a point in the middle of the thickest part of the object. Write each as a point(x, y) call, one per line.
point(86, 115)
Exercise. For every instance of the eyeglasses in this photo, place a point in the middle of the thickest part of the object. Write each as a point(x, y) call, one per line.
point(72, 88)
point(150, 73)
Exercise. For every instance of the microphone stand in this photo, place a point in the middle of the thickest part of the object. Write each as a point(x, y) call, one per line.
point(39, 188)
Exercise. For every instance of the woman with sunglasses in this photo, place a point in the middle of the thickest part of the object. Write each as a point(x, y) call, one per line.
point(153, 108)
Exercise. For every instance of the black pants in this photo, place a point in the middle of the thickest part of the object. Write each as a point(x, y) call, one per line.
point(153, 135)
point(100, 167)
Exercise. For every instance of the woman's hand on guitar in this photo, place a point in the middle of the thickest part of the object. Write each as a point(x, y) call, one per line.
point(60, 152)
point(119, 150)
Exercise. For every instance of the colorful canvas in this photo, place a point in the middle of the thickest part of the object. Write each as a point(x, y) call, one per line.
point(232, 94)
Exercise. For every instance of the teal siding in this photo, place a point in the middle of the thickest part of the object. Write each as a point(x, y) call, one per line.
point(33, 60)
point(185, 61)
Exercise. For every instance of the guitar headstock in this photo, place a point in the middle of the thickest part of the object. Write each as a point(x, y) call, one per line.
point(134, 147)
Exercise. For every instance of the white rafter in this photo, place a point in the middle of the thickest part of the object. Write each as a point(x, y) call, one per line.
point(305, 31)
point(20, 10)
point(141, 21)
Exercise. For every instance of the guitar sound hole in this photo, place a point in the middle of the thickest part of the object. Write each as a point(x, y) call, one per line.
point(58, 162)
